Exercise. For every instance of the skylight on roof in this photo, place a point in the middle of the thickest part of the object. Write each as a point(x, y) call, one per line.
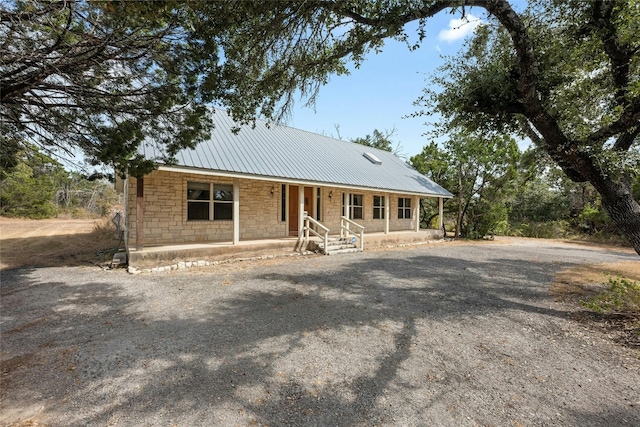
point(372, 158)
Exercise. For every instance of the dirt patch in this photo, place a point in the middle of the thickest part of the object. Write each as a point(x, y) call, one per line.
point(55, 242)
point(585, 279)
point(578, 283)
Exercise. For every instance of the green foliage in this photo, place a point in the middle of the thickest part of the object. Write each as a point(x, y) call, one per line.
point(377, 140)
point(28, 190)
point(593, 218)
point(566, 74)
point(481, 172)
point(39, 187)
point(620, 295)
point(142, 74)
point(435, 163)
point(541, 230)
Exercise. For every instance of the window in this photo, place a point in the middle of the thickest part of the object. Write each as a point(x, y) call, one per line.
point(222, 202)
point(355, 206)
point(404, 208)
point(378, 207)
point(198, 200)
point(202, 206)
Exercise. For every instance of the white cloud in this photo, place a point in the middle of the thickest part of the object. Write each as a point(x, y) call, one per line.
point(460, 28)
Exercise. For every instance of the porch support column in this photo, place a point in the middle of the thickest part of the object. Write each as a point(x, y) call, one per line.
point(347, 214)
point(440, 213)
point(300, 210)
point(387, 210)
point(236, 211)
point(139, 213)
point(416, 212)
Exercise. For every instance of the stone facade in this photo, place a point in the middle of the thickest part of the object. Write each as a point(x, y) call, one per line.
point(260, 205)
point(332, 211)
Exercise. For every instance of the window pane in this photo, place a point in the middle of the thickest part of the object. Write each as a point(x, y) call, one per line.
point(357, 212)
point(222, 211)
point(197, 210)
point(223, 192)
point(400, 202)
point(198, 191)
point(357, 200)
point(407, 203)
point(400, 213)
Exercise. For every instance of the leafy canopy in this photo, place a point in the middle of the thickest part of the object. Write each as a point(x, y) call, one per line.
point(105, 76)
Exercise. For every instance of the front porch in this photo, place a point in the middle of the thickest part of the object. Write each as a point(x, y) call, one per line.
point(168, 257)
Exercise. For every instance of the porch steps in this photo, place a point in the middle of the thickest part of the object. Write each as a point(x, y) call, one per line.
point(336, 246)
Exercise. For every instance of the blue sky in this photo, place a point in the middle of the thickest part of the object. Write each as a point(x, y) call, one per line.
point(382, 91)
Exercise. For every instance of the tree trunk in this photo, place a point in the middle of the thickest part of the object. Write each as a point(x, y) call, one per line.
point(623, 210)
point(459, 219)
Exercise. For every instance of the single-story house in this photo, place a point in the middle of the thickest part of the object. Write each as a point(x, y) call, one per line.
point(272, 182)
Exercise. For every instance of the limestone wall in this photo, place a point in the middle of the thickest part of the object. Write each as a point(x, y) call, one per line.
point(165, 212)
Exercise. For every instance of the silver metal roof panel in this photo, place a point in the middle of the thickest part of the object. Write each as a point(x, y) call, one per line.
point(282, 152)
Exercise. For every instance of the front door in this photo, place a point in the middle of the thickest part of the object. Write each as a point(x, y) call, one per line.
point(293, 207)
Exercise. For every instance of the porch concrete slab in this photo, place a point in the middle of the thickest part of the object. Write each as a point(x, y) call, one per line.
point(164, 255)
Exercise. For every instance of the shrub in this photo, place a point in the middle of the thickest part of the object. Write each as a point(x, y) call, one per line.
point(620, 295)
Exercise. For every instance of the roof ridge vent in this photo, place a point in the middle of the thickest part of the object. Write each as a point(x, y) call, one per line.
point(372, 158)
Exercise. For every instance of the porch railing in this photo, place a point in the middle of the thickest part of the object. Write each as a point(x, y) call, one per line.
point(345, 231)
point(323, 232)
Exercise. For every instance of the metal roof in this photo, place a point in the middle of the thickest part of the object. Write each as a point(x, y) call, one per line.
point(281, 153)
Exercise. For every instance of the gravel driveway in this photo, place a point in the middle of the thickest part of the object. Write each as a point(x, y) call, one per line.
point(448, 335)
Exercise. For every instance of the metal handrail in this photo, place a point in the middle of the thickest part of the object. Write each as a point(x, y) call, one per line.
point(345, 228)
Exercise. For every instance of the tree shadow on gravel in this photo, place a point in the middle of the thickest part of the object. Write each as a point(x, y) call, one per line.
point(324, 345)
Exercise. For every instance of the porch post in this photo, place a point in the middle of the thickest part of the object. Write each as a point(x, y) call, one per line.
point(236, 211)
point(300, 210)
point(440, 213)
point(416, 211)
point(347, 212)
point(139, 213)
point(387, 209)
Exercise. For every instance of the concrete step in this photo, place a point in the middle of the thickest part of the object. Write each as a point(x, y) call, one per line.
point(343, 251)
point(337, 246)
point(334, 246)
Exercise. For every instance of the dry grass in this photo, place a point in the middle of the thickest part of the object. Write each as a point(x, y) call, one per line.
point(584, 280)
point(583, 288)
point(55, 242)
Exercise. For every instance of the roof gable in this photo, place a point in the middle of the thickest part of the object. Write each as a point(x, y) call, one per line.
point(281, 152)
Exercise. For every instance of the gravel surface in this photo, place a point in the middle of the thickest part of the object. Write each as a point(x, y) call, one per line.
point(452, 335)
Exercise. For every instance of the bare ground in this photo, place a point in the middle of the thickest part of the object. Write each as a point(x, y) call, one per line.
point(460, 335)
point(55, 242)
